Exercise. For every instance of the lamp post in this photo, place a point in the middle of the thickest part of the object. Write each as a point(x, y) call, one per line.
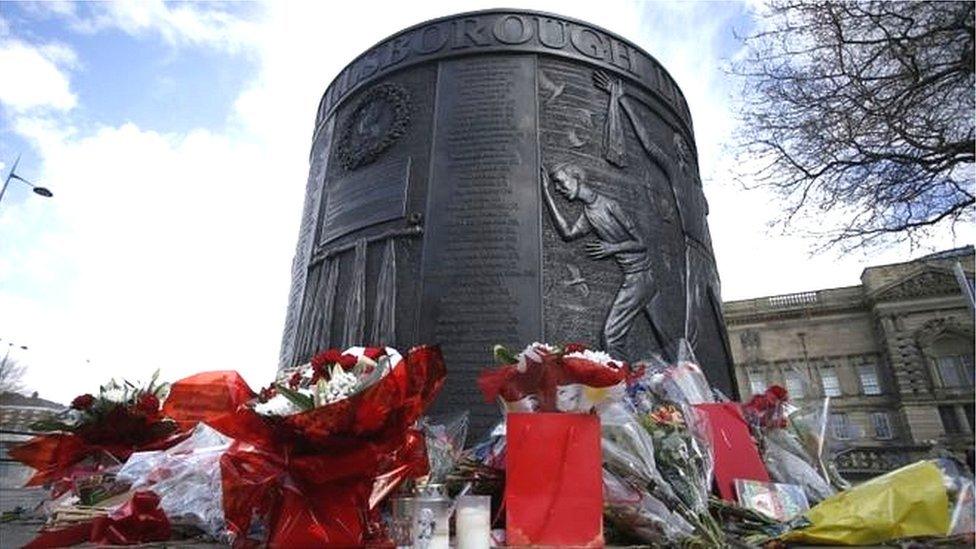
point(7, 355)
point(42, 191)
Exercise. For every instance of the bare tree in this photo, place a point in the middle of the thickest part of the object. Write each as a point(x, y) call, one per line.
point(12, 375)
point(862, 111)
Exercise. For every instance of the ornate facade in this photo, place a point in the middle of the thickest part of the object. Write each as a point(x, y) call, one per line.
point(894, 354)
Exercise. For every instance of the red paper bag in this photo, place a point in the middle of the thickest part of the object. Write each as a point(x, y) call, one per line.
point(554, 485)
point(736, 455)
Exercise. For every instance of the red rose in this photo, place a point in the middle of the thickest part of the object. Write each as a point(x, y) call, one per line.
point(347, 361)
point(330, 356)
point(574, 348)
point(757, 404)
point(148, 404)
point(374, 353)
point(83, 402)
point(777, 393)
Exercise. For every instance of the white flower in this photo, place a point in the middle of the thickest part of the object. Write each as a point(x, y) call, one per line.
point(113, 393)
point(340, 385)
point(595, 356)
point(580, 398)
point(533, 353)
point(278, 405)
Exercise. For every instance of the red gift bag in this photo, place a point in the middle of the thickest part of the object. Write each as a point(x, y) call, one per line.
point(554, 485)
point(736, 455)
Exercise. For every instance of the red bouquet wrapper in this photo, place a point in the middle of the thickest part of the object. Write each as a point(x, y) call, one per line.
point(203, 397)
point(315, 477)
point(53, 455)
point(554, 483)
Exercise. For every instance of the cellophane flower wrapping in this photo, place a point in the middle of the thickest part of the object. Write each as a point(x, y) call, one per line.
point(794, 442)
point(186, 478)
point(316, 476)
point(641, 515)
point(660, 406)
point(445, 445)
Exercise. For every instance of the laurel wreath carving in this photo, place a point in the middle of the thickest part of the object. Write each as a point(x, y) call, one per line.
point(354, 155)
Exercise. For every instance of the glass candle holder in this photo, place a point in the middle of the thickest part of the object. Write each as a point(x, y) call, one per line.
point(431, 518)
point(472, 522)
point(401, 522)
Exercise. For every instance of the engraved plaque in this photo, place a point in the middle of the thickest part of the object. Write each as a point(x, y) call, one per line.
point(365, 197)
point(505, 176)
point(482, 251)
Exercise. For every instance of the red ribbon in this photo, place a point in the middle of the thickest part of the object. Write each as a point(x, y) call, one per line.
point(140, 520)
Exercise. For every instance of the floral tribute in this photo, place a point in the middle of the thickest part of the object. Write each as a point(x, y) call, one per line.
point(318, 450)
point(123, 418)
point(548, 378)
point(793, 442)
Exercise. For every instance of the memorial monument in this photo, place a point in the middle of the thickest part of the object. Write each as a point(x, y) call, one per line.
point(505, 176)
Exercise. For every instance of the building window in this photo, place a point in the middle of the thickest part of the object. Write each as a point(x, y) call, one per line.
point(794, 384)
point(757, 382)
point(950, 420)
point(831, 384)
point(970, 410)
point(870, 385)
point(955, 370)
point(882, 425)
point(840, 426)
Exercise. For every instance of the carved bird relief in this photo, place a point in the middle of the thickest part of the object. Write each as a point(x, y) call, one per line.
point(576, 279)
point(554, 89)
point(574, 139)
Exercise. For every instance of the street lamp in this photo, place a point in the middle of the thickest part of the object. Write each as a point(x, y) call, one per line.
point(10, 346)
point(42, 191)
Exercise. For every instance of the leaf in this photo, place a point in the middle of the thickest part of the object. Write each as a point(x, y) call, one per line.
point(302, 401)
point(46, 425)
point(503, 355)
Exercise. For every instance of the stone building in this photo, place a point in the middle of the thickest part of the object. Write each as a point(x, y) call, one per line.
point(894, 354)
point(17, 413)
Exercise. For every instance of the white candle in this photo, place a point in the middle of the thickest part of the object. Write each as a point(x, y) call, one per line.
point(473, 528)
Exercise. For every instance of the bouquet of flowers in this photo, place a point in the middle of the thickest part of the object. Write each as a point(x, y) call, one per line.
point(98, 432)
point(317, 451)
point(791, 442)
point(660, 414)
point(547, 378)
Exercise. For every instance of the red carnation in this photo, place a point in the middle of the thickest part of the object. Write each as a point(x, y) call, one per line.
point(267, 393)
point(330, 356)
point(294, 380)
point(574, 348)
point(374, 353)
point(83, 402)
point(148, 404)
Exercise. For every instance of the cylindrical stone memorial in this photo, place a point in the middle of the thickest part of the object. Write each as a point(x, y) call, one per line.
point(505, 177)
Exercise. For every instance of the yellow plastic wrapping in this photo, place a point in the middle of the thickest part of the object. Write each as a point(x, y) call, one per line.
point(908, 502)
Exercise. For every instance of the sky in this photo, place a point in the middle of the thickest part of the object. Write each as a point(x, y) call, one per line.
point(175, 137)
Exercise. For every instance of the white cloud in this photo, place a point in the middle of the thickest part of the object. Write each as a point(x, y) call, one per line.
point(34, 77)
point(177, 24)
